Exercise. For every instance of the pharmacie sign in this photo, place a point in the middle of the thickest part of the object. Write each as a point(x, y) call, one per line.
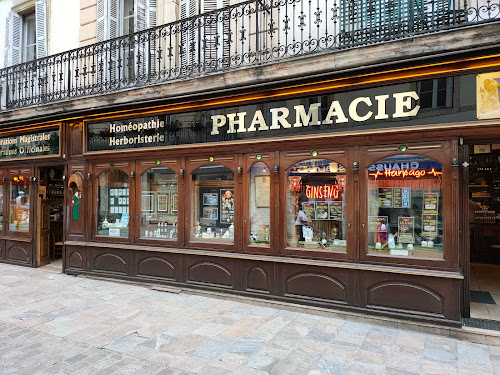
point(275, 119)
point(30, 145)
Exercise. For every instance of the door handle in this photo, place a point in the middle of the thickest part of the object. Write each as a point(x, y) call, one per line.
point(245, 221)
point(349, 223)
point(363, 225)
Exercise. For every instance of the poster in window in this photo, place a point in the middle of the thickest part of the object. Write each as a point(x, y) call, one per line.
point(336, 210)
point(406, 229)
point(227, 205)
point(430, 204)
point(321, 210)
point(174, 203)
point(377, 223)
point(385, 197)
point(263, 191)
point(429, 226)
point(210, 199)
point(263, 233)
point(162, 202)
point(402, 197)
point(309, 209)
point(147, 201)
point(210, 213)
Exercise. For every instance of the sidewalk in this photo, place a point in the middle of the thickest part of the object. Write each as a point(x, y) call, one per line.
point(51, 323)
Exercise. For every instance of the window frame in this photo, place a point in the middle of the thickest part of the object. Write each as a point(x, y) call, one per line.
point(441, 153)
point(32, 18)
point(342, 156)
point(97, 169)
point(142, 167)
point(26, 173)
point(269, 159)
point(232, 162)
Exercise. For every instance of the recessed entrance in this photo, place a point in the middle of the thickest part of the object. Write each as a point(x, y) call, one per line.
point(484, 224)
point(49, 219)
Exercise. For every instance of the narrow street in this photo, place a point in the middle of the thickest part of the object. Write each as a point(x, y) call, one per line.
point(51, 323)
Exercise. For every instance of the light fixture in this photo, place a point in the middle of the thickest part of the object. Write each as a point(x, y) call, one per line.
point(259, 156)
point(403, 148)
point(211, 159)
point(314, 153)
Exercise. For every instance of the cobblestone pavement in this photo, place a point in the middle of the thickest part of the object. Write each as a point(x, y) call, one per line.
point(51, 323)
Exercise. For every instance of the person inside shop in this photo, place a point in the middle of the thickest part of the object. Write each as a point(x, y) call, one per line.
point(21, 199)
point(301, 222)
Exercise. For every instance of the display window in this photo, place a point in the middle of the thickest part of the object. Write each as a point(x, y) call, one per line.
point(259, 202)
point(19, 204)
point(113, 202)
point(316, 205)
point(405, 207)
point(1, 204)
point(159, 204)
point(212, 204)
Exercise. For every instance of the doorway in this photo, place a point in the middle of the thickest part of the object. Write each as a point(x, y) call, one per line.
point(484, 225)
point(50, 219)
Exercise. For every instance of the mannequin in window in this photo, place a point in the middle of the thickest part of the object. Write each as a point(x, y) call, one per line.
point(301, 222)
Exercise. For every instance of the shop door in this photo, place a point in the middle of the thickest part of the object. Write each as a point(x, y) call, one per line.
point(43, 232)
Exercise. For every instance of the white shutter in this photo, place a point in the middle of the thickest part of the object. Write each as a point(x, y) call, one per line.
point(7, 44)
point(141, 49)
point(41, 28)
point(215, 35)
point(112, 19)
point(102, 11)
point(151, 12)
point(140, 17)
point(14, 34)
point(189, 35)
point(151, 22)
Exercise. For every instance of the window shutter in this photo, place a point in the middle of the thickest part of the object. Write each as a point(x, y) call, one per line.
point(7, 44)
point(102, 11)
point(41, 28)
point(151, 22)
point(140, 16)
point(14, 36)
point(215, 35)
point(188, 46)
point(112, 19)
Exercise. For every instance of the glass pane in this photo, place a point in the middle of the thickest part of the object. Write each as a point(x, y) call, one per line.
point(20, 204)
point(405, 212)
point(113, 204)
point(260, 204)
point(30, 38)
point(316, 205)
point(159, 204)
point(212, 204)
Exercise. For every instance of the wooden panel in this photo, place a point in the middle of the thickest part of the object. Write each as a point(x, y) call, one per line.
point(76, 257)
point(257, 277)
point(113, 261)
point(319, 284)
point(19, 252)
point(2, 249)
point(156, 266)
point(218, 272)
point(416, 295)
point(76, 228)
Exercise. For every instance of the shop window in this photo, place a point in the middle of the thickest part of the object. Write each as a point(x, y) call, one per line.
point(212, 204)
point(113, 204)
point(316, 205)
point(405, 210)
point(260, 204)
point(20, 204)
point(159, 204)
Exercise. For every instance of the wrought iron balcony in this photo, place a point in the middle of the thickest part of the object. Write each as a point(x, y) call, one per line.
point(241, 35)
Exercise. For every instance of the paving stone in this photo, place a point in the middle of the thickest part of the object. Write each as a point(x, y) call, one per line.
point(475, 353)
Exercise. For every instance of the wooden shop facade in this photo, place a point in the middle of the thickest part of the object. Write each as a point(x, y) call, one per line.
point(348, 192)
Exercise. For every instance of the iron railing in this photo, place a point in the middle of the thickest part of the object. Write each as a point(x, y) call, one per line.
point(245, 34)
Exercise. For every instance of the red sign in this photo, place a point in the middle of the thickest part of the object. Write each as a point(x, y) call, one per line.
point(322, 192)
point(416, 173)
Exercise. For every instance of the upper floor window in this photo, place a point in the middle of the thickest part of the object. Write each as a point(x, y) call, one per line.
point(436, 93)
point(123, 17)
point(26, 35)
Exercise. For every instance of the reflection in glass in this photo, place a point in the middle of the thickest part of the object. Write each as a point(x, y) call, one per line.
point(113, 204)
point(212, 204)
point(316, 205)
point(159, 204)
point(20, 204)
point(405, 210)
point(260, 203)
